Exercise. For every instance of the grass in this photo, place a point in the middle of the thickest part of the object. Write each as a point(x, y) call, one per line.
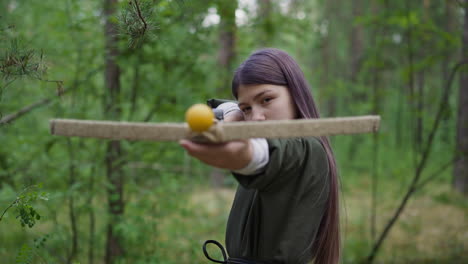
point(428, 231)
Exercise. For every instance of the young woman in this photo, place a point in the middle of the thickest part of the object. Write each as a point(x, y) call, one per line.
point(286, 206)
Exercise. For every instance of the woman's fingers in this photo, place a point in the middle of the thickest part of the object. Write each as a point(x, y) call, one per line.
point(234, 116)
point(200, 149)
point(211, 154)
point(231, 155)
point(188, 145)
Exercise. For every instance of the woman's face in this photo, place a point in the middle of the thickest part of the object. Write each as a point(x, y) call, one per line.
point(266, 102)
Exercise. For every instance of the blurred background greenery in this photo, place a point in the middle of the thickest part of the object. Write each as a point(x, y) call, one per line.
point(94, 201)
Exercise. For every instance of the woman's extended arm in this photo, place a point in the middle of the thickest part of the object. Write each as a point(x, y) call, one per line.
point(233, 155)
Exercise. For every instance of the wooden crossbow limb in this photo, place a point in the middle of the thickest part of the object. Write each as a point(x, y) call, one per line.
point(222, 131)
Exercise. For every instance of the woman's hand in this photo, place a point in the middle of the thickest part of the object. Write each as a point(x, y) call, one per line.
point(232, 155)
point(234, 116)
point(231, 112)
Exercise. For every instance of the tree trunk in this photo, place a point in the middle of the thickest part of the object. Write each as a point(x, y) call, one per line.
point(92, 218)
point(227, 53)
point(327, 58)
point(376, 84)
point(449, 20)
point(330, 100)
point(356, 39)
point(227, 42)
point(266, 22)
point(113, 158)
point(420, 88)
point(410, 53)
point(419, 110)
point(355, 52)
point(136, 83)
point(460, 174)
point(114, 248)
point(71, 204)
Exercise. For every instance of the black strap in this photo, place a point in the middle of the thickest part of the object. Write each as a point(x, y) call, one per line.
point(223, 251)
point(225, 260)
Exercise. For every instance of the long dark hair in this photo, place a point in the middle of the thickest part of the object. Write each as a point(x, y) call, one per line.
point(273, 66)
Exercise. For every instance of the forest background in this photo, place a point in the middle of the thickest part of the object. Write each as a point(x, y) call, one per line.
point(73, 200)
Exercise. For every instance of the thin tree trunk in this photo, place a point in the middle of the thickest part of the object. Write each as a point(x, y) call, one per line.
point(92, 218)
point(419, 111)
point(357, 42)
point(399, 119)
point(227, 42)
point(398, 139)
point(266, 22)
point(460, 173)
point(411, 82)
point(449, 20)
point(325, 80)
point(376, 108)
point(420, 86)
point(375, 158)
point(327, 45)
point(71, 204)
point(135, 84)
point(410, 53)
point(113, 158)
point(355, 57)
point(114, 248)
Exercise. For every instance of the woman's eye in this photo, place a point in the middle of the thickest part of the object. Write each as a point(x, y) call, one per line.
point(246, 109)
point(267, 99)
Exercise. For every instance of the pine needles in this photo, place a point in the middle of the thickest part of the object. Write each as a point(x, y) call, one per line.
point(16, 62)
point(135, 22)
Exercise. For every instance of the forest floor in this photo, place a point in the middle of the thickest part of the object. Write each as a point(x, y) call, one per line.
point(170, 226)
point(432, 229)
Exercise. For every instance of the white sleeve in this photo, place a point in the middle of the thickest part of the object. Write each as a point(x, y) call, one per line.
point(260, 157)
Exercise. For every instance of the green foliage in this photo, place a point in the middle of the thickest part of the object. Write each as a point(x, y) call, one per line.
point(28, 253)
point(22, 205)
point(27, 215)
point(172, 64)
point(24, 255)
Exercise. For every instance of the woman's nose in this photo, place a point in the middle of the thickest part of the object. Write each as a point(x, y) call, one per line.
point(258, 115)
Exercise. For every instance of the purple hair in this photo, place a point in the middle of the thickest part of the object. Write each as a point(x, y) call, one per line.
point(273, 66)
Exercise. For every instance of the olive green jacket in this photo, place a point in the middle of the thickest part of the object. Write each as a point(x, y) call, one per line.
point(276, 214)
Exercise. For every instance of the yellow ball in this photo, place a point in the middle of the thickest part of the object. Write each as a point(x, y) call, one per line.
point(199, 117)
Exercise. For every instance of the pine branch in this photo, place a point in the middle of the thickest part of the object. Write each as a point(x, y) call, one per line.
point(140, 16)
point(12, 117)
point(437, 173)
point(135, 22)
